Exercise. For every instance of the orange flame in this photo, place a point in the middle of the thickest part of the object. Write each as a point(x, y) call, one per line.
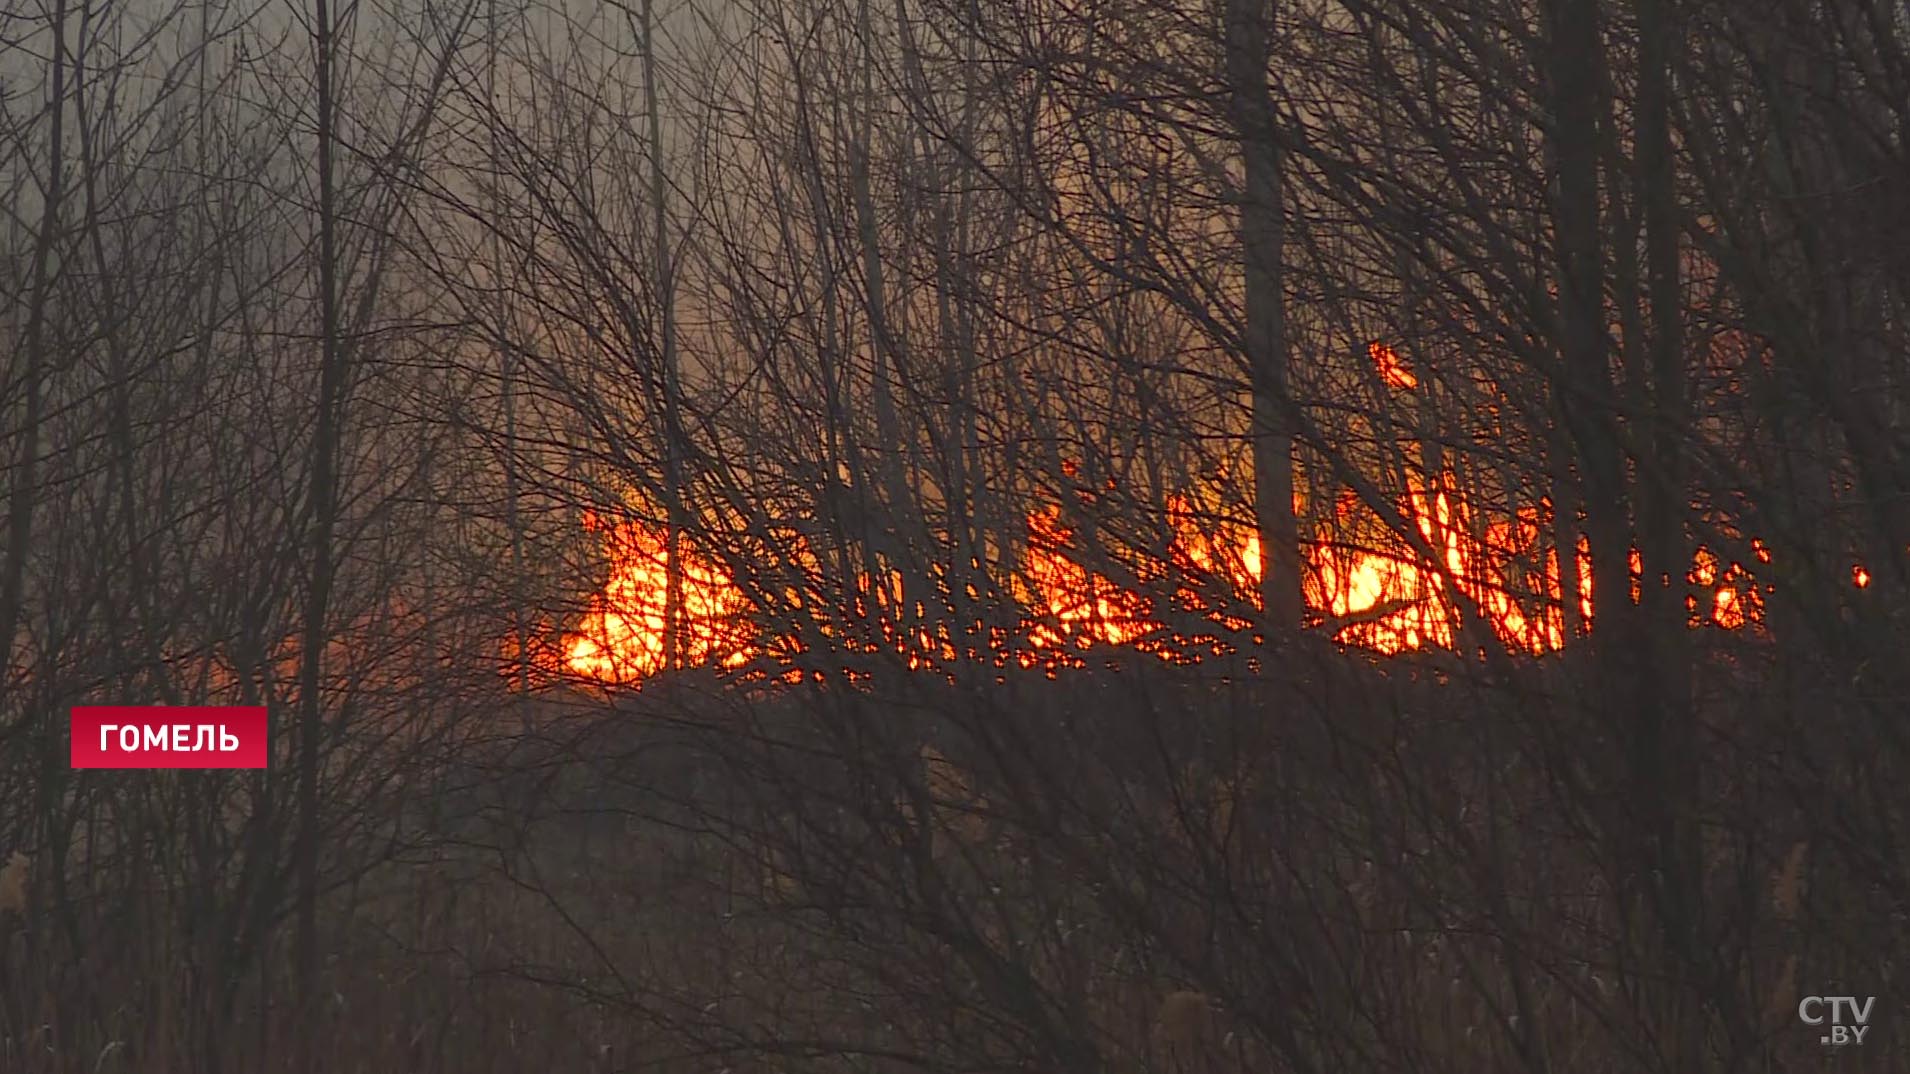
point(621, 638)
point(1392, 369)
point(1076, 605)
point(1380, 594)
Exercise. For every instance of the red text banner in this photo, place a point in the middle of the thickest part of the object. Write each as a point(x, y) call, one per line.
point(169, 736)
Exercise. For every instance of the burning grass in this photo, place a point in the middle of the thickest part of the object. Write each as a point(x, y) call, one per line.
point(1194, 600)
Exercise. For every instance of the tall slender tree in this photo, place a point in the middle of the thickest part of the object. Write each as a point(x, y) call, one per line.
point(321, 512)
point(1262, 209)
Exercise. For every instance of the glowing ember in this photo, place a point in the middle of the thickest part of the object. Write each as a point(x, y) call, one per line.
point(1392, 369)
point(1736, 599)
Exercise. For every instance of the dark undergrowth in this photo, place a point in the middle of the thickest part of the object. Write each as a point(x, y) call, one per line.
point(1333, 863)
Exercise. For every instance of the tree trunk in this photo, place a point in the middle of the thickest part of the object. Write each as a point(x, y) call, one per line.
point(323, 504)
point(1587, 397)
point(665, 284)
point(24, 478)
point(1262, 236)
point(900, 528)
point(1672, 774)
point(507, 391)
